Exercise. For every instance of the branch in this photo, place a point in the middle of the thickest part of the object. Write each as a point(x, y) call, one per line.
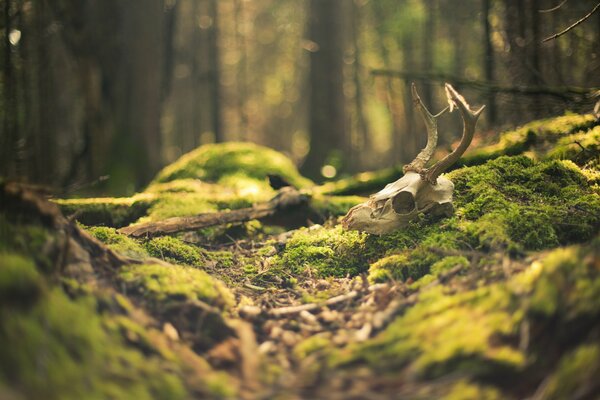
point(570, 93)
point(547, 10)
point(286, 199)
point(574, 25)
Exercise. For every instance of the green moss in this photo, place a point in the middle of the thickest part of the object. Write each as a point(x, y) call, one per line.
point(535, 135)
point(310, 346)
point(61, 349)
point(218, 162)
point(516, 203)
point(333, 206)
point(178, 205)
point(159, 283)
point(448, 263)
point(473, 330)
point(447, 333)
point(224, 259)
point(397, 267)
point(114, 212)
point(174, 250)
point(120, 243)
point(577, 371)
point(325, 251)
point(582, 147)
point(20, 282)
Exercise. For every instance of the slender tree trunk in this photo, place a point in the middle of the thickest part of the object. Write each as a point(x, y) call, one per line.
point(489, 61)
point(215, 71)
point(137, 144)
point(327, 114)
point(9, 137)
point(363, 135)
point(428, 40)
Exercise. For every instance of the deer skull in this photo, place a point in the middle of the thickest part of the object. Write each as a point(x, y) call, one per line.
point(420, 190)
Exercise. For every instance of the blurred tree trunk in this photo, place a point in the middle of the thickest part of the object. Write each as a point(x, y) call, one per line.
point(10, 134)
point(137, 141)
point(429, 32)
point(327, 114)
point(215, 70)
point(488, 62)
point(363, 142)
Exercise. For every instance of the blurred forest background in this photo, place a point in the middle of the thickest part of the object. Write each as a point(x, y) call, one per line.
point(119, 88)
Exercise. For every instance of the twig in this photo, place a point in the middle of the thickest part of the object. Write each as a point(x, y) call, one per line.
point(562, 3)
point(573, 25)
point(284, 311)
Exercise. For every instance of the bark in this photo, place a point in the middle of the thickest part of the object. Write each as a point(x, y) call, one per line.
point(327, 114)
point(489, 61)
point(287, 199)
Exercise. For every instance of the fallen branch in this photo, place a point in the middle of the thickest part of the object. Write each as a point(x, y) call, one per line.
point(287, 198)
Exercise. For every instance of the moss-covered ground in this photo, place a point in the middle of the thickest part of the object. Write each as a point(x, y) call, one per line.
point(501, 300)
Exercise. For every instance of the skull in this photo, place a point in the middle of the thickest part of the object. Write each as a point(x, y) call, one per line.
point(420, 190)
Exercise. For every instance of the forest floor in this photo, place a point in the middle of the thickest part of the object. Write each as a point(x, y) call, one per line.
point(501, 300)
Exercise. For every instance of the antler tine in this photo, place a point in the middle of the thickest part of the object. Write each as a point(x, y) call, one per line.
point(469, 118)
point(430, 120)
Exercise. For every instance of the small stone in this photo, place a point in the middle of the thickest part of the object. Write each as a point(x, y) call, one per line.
point(250, 312)
point(170, 331)
point(308, 317)
point(289, 338)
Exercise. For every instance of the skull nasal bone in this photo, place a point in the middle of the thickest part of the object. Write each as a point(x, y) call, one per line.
point(403, 203)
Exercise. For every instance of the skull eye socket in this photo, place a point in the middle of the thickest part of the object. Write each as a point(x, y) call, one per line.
point(403, 203)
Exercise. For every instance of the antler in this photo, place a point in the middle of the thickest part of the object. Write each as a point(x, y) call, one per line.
point(469, 118)
point(430, 120)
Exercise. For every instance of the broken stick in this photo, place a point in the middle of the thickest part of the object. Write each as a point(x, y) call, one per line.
point(286, 199)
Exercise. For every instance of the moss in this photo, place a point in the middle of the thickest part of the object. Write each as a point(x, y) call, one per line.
point(535, 135)
point(333, 206)
point(465, 390)
point(159, 283)
point(120, 243)
point(517, 203)
point(577, 372)
point(61, 349)
point(474, 331)
point(114, 212)
point(448, 263)
point(310, 346)
point(20, 282)
point(397, 267)
point(217, 162)
point(174, 250)
point(583, 148)
point(30, 240)
point(325, 251)
point(224, 259)
point(177, 205)
point(447, 333)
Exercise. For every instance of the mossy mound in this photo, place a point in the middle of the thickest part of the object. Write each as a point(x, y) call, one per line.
point(120, 243)
point(233, 164)
point(115, 212)
point(537, 136)
point(496, 332)
point(509, 204)
point(160, 283)
point(66, 339)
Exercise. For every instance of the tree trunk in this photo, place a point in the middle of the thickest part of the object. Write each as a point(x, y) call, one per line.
point(327, 114)
point(488, 63)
